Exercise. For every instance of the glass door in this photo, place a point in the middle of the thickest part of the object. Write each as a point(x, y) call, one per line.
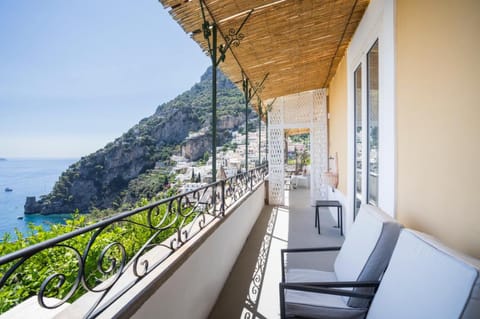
point(358, 139)
point(372, 111)
point(366, 130)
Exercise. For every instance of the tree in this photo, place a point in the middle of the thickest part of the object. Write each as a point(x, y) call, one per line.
point(206, 156)
point(165, 181)
point(199, 178)
point(193, 176)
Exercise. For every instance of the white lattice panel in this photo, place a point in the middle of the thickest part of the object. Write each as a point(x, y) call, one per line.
point(275, 157)
point(320, 106)
point(297, 110)
point(302, 110)
point(276, 191)
point(319, 147)
point(275, 147)
point(275, 114)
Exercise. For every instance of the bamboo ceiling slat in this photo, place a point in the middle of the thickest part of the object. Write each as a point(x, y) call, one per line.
point(299, 43)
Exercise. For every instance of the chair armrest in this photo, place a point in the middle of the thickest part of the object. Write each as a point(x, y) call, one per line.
point(306, 250)
point(330, 288)
point(339, 284)
point(302, 250)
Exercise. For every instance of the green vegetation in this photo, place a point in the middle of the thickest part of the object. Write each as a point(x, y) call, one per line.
point(206, 156)
point(251, 127)
point(147, 185)
point(27, 279)
point(298, 158)
point(300, 138)
point(198, 98)
point(229, 146)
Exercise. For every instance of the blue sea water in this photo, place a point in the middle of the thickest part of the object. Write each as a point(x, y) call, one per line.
point(27, 177)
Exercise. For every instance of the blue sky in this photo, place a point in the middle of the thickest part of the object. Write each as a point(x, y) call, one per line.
point(75, 74)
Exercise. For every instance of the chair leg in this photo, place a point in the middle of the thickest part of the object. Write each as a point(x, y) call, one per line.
point(318, 221)
point(341, 221)
point(282, 301)
point(338, 217)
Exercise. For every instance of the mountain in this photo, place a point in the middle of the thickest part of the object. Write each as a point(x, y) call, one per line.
point(112, 175)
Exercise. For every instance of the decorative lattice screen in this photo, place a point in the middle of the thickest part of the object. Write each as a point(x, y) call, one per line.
point(302, 110)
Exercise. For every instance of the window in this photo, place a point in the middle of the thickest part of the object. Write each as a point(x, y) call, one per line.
point(357, 78)
point(366, 130)
point(372, 118)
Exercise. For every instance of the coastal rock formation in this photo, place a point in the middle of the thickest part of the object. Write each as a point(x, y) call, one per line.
point(194, 147)
point(101, 179)
point(229, 122)
point(32, 206)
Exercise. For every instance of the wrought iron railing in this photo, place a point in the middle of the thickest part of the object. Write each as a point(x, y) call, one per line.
point(113, 255)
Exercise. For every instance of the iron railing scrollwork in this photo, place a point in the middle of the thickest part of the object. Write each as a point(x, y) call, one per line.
point(96, 257)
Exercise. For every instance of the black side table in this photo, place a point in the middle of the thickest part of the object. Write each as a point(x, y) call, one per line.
point(329, 203)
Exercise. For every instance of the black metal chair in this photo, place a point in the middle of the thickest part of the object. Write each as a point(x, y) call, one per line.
point(347, 291)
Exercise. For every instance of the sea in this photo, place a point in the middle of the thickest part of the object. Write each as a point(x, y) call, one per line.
point(27, 177)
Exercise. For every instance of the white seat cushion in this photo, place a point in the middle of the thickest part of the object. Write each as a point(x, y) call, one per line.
point(367, 249)
point(315, 305)
point(426, 280)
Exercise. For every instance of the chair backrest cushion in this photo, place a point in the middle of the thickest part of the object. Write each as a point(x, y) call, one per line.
point(367, 249)
point(425, 279)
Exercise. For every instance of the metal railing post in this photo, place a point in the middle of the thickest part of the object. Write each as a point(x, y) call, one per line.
point(259, 131)
point(246, 91)
point(251, 179)
point(223, 197)
point(214, 103)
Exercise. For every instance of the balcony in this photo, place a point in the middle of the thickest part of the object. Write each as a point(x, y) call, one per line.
point(251, 290)
point(224, 262)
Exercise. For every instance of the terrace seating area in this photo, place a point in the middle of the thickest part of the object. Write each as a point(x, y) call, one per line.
point(362, 258)
point(424, 279)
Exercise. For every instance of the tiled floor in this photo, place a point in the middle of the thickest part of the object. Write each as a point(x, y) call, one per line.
point(251, 291)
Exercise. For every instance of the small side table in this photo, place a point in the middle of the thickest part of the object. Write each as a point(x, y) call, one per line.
point(329, 203)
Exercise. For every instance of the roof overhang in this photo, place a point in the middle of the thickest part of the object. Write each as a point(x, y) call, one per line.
point(298, 43)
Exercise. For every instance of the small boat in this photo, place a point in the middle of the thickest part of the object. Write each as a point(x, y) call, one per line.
point(20, 217)
point(8, 189)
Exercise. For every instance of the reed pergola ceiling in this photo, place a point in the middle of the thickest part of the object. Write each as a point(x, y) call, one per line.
point(299, 43)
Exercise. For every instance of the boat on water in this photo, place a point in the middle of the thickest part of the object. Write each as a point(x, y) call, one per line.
point(8, 189)
point(20, 217)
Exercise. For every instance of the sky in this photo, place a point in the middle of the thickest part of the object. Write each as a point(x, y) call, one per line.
point(76, 74)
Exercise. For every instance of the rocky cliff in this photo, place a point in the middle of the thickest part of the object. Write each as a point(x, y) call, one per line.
point(102, 178)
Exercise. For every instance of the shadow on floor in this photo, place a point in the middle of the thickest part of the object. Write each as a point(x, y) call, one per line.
point(239, 297)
